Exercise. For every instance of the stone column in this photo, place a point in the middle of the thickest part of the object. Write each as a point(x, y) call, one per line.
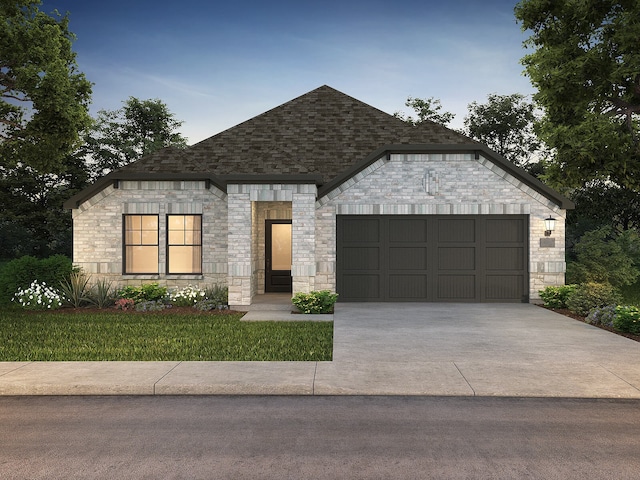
point(303, 268)
point(239, 245)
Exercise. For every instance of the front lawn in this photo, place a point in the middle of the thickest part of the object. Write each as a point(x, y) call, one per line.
point(83, 335)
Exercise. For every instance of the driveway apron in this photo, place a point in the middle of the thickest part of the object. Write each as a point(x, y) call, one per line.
point(475, 349)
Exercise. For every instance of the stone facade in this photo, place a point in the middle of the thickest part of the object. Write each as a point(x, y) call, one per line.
point(233, 222)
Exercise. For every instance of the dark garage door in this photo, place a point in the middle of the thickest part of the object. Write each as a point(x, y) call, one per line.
point(448, 258)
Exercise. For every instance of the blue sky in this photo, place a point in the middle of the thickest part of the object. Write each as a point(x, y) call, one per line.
point(216, 64)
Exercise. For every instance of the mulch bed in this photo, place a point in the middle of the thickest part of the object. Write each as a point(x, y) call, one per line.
point(166, 311)
point(567, 313)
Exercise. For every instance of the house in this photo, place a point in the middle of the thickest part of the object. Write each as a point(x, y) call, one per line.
point(326, 192)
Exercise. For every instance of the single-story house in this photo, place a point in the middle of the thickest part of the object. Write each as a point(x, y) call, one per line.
point(327, 192)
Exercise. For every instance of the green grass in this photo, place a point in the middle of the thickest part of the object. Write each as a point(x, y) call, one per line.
point(132, 336)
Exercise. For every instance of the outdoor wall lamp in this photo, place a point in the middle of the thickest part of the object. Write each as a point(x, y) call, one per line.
point(549, 225)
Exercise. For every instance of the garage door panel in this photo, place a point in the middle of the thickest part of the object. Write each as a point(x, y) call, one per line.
point(506, 258)
point(407, 287)
point(407, 230)
point(361, 258)
point(504, 287)
point(456, 287)
point(407, 258)
point(501, 230)
point(457, 258)
point(362, 230)
point(456, 230)
point(362, 287)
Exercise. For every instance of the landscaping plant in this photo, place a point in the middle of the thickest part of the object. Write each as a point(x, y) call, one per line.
point(556, 296)
point(588, 296)
point(602, 316)
point(38, 296)
point(141, 293)
point(627, 319)
point(21, 272)
point(315, 302)
point(187, 297)
point(75, 289)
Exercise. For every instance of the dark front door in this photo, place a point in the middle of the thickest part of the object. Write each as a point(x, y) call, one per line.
point(277, 256)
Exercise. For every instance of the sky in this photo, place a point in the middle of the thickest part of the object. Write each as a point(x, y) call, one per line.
point(216, 64)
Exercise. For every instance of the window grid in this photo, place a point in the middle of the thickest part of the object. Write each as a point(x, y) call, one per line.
point(184, 244)
point(141, 242)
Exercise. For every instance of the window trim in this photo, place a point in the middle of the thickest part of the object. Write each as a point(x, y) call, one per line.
point(125, 244)
point(168, 245)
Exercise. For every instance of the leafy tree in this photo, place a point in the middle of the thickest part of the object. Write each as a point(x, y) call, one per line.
point(586, 67)
point(504, 124)
point(119, 137)
point(606, 256)
point(43, 97)
point(425, 110)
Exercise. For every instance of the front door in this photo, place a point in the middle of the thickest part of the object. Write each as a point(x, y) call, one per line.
point(277, 256)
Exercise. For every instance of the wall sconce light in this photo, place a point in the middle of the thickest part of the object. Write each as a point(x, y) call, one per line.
point(549, 225)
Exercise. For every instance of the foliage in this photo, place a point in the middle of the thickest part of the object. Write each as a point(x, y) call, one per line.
point(588, 296)
point(44, 100)
point(585, 67)
point(75, 289)
point(102, 293)
point(556, 296)
point(218, 294)
point(315, 302)
point(605, 256)
point(38, 296)
point(187, 296)
point(602, 316)
point(21, 272)
point(125, 304)
point(140, 127)
point(150, 306)
point(504, 124)
point(426, 110)
point(141, 293)
point(164, 336)
point(627, 319)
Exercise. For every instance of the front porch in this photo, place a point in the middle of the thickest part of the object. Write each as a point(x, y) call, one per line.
point(276, 307)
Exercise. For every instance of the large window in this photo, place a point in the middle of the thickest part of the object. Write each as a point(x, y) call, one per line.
point(141, 244)
point(184, 244)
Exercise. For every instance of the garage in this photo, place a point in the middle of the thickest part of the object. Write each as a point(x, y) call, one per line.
point(432, 258)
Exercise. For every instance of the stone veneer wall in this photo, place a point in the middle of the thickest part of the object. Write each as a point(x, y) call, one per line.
point(441, 184)
point(97, 239)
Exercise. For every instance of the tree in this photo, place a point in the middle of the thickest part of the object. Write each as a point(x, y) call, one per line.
point(426, 110)
point(43, 97)
point(504, 124)
point(119, 137)
point(586, 67)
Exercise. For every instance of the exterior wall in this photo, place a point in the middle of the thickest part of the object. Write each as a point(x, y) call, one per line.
point(442, 184)
point(97, 223)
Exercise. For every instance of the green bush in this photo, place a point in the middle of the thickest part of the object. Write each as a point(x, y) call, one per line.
point(602, 316)
point(315, 302)
point(627, 319)
point(218, 294)
point(21, 272)
point(556, 297)
point(102, 293)
point(76, 290)
point(588, 296)
point(141, 293)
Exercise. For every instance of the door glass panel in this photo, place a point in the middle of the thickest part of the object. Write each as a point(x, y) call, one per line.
point(281, 246)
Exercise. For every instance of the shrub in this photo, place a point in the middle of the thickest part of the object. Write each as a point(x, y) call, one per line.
point(556, 297)
point(142, 293)
point(38, 296)
point(627, 319)
point(102, 293)
point(75, 289)
point(207, 305)
point(588, 296)
point(315, 302)
point(150, 306)
point(187, 297)
point(21, 272)
point(602, 316)
point(218, 294)
point(125, 304)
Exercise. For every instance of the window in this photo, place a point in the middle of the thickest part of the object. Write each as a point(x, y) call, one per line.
point(184, 244)
point(141, 244)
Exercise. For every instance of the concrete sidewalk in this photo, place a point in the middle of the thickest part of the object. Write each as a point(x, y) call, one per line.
point(386, 349)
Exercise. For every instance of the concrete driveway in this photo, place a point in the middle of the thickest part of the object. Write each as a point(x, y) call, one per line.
point(475, 349)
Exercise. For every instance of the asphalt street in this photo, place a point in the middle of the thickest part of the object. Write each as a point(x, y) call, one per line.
point(337, 437)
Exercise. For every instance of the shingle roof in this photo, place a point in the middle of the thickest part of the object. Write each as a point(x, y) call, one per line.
point(323, 132)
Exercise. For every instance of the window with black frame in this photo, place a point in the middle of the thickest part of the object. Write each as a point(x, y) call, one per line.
point(184, 244)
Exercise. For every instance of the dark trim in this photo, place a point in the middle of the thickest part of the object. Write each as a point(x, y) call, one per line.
point(124, 243)
point(286, 284)
point(475, 148)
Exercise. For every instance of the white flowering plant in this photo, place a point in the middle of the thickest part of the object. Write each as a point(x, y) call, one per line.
point(187, 297)
point(38, 296)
